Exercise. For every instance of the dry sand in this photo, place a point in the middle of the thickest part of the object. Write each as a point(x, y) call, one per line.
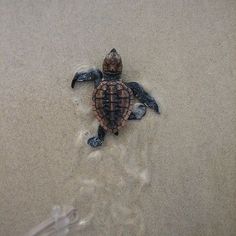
point(173, 174)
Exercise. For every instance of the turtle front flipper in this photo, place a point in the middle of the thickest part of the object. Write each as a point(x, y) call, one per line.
point(97, 141)
point(89, 75)
point(143, 96)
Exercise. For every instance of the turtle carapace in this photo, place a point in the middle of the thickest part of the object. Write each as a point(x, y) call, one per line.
point(112, 98)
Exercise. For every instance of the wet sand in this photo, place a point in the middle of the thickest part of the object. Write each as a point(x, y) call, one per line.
point(172, 174)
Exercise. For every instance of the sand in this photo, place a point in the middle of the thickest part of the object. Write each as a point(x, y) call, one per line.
point(172, 174)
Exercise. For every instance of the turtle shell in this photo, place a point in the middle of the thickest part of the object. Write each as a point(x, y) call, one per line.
point(112, 104)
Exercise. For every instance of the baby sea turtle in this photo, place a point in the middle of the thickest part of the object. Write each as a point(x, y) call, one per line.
point(113, 98)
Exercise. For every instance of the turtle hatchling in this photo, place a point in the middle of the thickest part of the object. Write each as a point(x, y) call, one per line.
point(113, 99)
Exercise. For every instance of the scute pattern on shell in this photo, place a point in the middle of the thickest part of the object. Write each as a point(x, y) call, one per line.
point(112, 104)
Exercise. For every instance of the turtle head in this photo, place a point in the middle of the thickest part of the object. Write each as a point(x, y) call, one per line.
point(112, 64)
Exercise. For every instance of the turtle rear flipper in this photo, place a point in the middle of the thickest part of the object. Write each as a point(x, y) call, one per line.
point(97, 141)
point(138, 112)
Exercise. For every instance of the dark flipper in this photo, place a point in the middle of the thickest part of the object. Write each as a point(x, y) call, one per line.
point(89, 75)
point(97, 141)
point(138, 113)
point(143, 96)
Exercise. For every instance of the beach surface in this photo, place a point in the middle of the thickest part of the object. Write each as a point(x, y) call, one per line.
point(170, 174)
